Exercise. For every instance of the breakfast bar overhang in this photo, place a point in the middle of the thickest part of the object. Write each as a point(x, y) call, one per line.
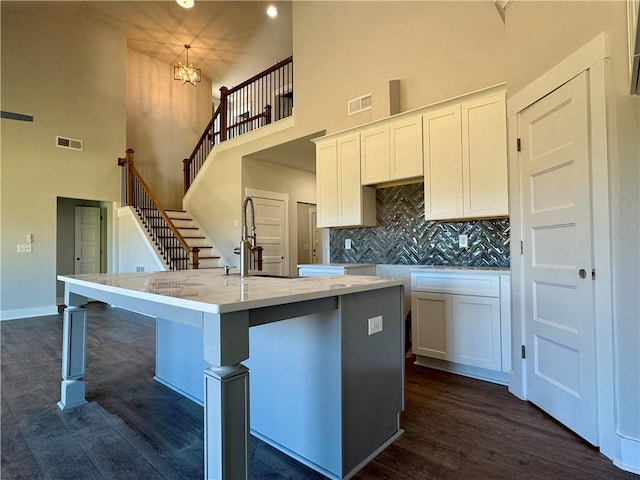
point(334, 405)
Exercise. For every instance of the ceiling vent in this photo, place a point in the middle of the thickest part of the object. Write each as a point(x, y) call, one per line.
point(359, 104)
point(70, 143)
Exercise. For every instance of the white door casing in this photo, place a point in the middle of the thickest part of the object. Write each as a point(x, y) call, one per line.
point(271, 213)
point(87, 240)
point(558, 294)
point(315, 236)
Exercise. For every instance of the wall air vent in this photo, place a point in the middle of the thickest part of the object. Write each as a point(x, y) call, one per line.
point(70, 143)
point(359, 104)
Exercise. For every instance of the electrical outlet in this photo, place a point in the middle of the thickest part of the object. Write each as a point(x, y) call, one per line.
point(375, 324)
point(463, 241)
point(139, 268)
point(348, 244)
point(24, 248)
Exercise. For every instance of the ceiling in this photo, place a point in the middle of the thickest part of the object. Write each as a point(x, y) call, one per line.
point(231, 41)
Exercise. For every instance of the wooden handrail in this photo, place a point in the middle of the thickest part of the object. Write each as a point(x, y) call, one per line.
point(128, 163)
point(268, 80)
point(264, 73)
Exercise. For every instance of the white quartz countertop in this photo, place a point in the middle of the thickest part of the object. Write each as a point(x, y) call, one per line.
point(210, 291)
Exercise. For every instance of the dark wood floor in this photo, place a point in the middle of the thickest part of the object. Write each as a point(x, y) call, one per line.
point(133, 428)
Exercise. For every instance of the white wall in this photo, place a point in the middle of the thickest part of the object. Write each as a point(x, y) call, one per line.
point(437, 50)
point(69, 73)
point(135, 246)
point(215, 197)
point(165, 119)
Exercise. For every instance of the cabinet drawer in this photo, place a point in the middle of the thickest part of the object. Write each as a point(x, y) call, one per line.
point(482, 285)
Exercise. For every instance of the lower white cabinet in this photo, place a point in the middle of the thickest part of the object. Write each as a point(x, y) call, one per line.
point(460, 321)
point(326, 269)
point(476, 331)
point(431, 329)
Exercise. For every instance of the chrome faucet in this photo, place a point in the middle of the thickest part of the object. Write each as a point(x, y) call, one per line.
point(248, 245)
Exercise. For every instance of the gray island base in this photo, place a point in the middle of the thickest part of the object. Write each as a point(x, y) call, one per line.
point(326, 356)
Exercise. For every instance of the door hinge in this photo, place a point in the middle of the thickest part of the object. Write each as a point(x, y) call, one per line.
point(521, 247)
point(523, 351)
point(593, 274)
point(518, 145)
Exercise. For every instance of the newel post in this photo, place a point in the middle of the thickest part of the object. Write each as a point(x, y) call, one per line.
point(186, 174)
point(224, 91)
point(195, 257)
point(267, 114)
point(127, 185)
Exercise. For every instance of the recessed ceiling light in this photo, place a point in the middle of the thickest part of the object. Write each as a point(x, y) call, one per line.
point(272, 11)
point(186, 3)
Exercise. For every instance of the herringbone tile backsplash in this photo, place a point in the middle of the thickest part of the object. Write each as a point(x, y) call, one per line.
point(404, 237)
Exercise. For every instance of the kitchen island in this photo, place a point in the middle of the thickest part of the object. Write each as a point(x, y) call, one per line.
point(326, 357)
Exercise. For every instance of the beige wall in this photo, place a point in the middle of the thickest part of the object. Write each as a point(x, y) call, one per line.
point(70, 75)
point(215, 198)
point(539, 35)
point(437, 50)
point(165, 119)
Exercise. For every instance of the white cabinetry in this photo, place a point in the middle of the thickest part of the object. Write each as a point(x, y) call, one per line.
point(458, 147)
point(342, 201)
point(392, 151)
point(465, 159)
point(460, 321)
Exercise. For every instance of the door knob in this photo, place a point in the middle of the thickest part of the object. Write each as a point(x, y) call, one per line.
point(582, 273)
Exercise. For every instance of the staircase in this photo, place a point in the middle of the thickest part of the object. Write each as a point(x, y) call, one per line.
point(195, 238)
point(264, 98)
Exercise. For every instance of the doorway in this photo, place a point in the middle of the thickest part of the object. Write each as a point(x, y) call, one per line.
point(69, 238)
point(309, 235)
point(557, 333)
point(557, 257)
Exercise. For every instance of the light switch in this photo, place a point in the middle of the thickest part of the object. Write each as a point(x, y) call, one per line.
point(347, 244)
point(374, 325)
point(463, 241)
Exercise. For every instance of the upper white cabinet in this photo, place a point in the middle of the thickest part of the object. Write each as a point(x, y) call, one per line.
point(392, 151)
point(465, 159)
point(342, 200)
point(443, 163)
point(459, 147)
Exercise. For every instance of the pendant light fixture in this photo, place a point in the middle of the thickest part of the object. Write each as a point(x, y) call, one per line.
point(186, 72)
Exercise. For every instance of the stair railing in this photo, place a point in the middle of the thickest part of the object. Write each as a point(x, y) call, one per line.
point(261, 100)
point(137, 194)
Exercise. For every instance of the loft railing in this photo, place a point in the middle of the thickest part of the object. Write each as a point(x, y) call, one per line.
point(136, 193)
point(267, 97)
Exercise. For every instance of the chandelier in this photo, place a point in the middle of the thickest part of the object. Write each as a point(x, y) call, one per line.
point(186, 72)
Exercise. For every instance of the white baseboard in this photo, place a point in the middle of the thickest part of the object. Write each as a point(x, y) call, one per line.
point(28, 312)
point(629, 459)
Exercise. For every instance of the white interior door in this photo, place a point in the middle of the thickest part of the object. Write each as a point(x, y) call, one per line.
point(557, 257)
point(271, 212)
point(87, 240)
